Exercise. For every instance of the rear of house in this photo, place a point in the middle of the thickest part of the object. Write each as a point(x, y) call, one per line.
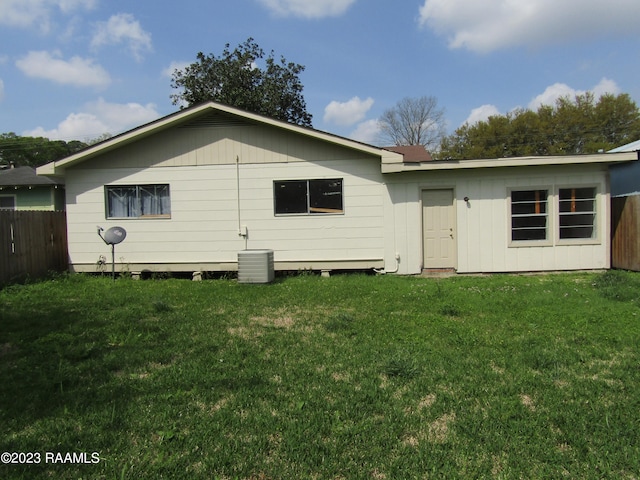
point(505, 215)
point(195, 188)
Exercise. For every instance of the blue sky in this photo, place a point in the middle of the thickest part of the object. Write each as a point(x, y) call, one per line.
point(77, 69)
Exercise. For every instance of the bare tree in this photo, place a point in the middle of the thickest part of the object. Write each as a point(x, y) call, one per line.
point(413, 121)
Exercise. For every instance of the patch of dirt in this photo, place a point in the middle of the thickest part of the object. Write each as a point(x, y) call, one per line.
point(244, 332)
point(340, 377)
point(427, 401)
point(285, 322)
point(439, 429)
point(527, 401)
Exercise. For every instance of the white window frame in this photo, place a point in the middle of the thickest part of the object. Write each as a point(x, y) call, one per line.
point(310, 209)
point(138, 207)
point(554, 216)
point(548, 215)
point(597, 214)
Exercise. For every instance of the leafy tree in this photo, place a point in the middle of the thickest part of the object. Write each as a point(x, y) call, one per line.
point(580, 125)
point(235, 78)
point(413, 121)
point(34, 151)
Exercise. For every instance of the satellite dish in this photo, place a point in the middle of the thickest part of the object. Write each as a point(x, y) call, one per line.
point(112, 237)
point(115, 235)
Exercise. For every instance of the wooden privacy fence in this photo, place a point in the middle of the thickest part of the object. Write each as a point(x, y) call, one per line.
point(32, 244)
point(625, 232)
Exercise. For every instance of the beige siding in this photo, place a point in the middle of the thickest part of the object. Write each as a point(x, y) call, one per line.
point(220, 145)
point(483, 226)
point(204, 223)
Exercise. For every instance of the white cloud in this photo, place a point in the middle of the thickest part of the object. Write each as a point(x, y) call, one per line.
point(606, 86)
point(71, 6)
point(26, 13)
point(367, 132)
point(308, 8)
point(123, 28)
point(481, 114)
point(80, 72)
point(173, 66)
point(347, 113)
point(549, 97)
point(494, 24)
point(559, 90)
point(98, 118)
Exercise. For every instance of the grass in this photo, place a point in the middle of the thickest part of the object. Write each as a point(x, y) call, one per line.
point(345, 377)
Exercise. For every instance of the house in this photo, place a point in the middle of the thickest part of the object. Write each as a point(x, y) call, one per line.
point(625, 178)
point(22, 189)
point(625, 211)
point(196, 187)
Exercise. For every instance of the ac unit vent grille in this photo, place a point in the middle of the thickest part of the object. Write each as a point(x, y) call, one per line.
point(255, 266)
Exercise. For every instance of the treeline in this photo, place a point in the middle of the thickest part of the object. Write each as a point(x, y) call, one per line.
point(34, 151)
point(581, 125)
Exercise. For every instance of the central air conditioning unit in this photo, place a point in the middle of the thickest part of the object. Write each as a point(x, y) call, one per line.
point(255, 266)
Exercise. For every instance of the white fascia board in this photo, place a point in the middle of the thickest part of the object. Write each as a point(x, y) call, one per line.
point(58, 167)
point(510, 162)
point(386, 156)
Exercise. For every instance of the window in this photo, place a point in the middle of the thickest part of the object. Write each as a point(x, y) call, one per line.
point(577, 211)
point(138, 201)
point(529, 215)
point(7, 202)
point(308, 197)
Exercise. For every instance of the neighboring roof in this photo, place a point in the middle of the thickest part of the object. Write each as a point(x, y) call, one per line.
point(412, 153)
point(24, 177)
point(629, 147)
point(191, 113)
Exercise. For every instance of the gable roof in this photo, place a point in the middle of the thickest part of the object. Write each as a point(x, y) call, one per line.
point(25, 177)
point(201, 111)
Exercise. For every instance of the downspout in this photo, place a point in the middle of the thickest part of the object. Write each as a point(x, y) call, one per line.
point(242, 229)
point(383, 271)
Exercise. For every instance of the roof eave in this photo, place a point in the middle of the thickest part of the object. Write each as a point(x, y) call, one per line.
point(57, 167)
point(510, 162)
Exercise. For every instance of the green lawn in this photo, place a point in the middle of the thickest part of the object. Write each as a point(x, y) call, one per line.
point(353, 376)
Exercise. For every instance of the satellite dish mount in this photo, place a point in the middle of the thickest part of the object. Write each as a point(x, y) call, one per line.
point(112, 237)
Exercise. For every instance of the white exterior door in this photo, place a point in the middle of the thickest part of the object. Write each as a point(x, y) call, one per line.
point(438, 224)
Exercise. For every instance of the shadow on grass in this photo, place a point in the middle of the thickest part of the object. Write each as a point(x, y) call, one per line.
point(67, 374)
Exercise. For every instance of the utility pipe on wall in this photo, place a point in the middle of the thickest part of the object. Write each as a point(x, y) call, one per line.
point(242, 229)
point(383, 271)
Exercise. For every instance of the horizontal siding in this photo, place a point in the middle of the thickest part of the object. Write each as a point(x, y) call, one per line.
point(204, 214)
